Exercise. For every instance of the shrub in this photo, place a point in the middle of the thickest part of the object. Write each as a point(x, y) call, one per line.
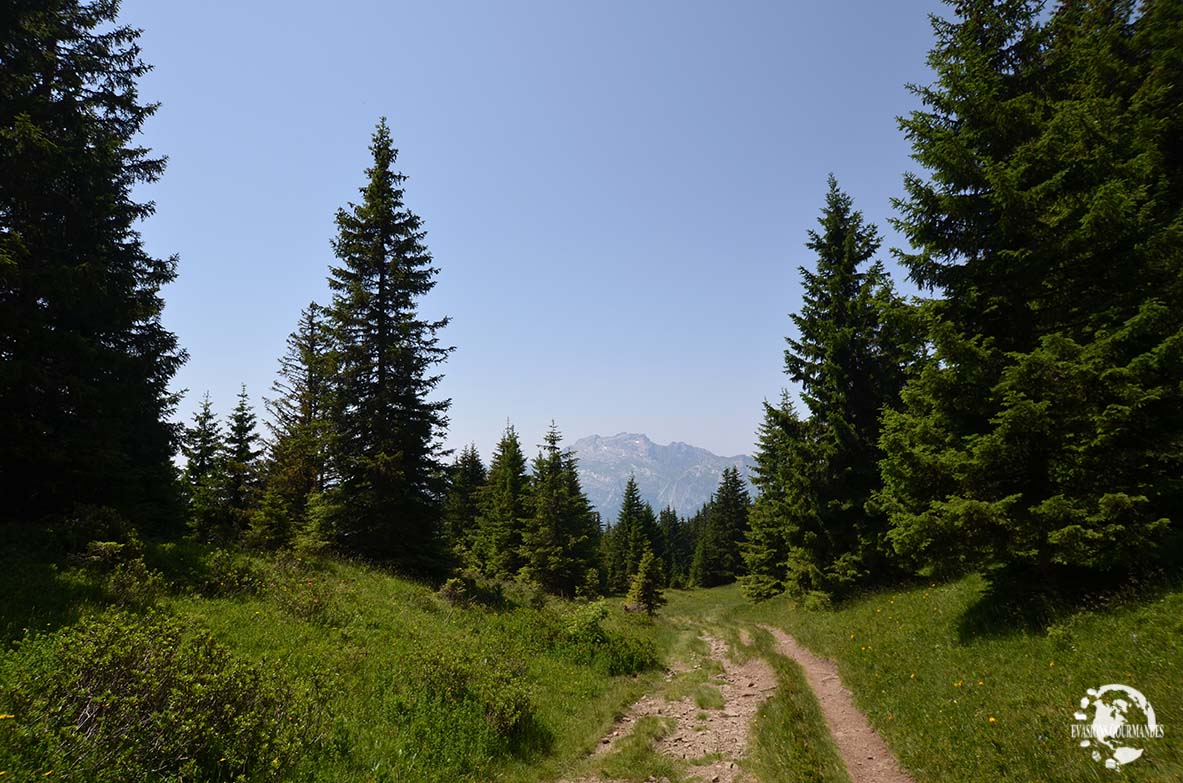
point(816, 601)
point(457, 677)
point(455, 592)
point(470, 587)
point(102, 557)
point(303, 592)
point(125, 697)
point(585, 640)
point(134, 584)
point(227, 574)
point(85, 524)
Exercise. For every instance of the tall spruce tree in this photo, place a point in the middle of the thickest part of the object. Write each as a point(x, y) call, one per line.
point(466, 477)
point(204, 448)
point(504, 504)
point(298, 431)
point(242, 468)
point(86, 363)
point(637, 526)
point(560, 539)
point(386, 430)
point(849, 356)
point(679, 549)
point(782, 475)
point(723, 527)
point(1048, 431)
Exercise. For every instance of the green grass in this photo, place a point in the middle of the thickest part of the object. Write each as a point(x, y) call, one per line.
point(382, 652)
point(708, 697)
point(634, 758)
point(965, 687)
point(790, 741)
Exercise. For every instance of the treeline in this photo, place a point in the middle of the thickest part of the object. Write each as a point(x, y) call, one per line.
point(1026, 419)
point(350, 456)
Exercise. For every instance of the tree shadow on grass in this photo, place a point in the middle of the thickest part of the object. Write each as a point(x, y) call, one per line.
point(1017, 602)
point(39, 594)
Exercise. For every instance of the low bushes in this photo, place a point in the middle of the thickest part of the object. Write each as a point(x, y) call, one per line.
point(584, 639)
point(138, 697)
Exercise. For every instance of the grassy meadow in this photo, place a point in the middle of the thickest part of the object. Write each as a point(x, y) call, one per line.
point(965, 686)
point(393, 681)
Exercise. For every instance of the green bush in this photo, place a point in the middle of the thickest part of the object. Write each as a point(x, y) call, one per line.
point(585, 640)
point(229, 574)
point(84, 524)
point(102, 557)
point(455, 592)
point(134, 584)
point(125, 697)
point(457, 676)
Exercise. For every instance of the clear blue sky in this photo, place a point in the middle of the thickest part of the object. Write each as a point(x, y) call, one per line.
point(616, 193)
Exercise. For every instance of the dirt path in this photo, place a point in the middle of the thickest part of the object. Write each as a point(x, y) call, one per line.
point(867, 758)
point(714, 738)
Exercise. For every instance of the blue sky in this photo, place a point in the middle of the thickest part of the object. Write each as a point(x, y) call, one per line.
point(616, 193)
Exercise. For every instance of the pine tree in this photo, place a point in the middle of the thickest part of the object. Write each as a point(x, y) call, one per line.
point(781, 511)
point(203, 444)
point(299, 433)
point(679, 549)
point(386, 432)
point(504, 505)
point(637, 528)
point(723, 526)
point(242, 464)
point(1047, 430)
point(645, 590)
point(466, 477)
point(204, 447)
point(84, 397)
point(849, 357)
point(559, 541)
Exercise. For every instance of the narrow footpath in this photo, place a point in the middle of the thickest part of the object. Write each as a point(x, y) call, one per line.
point(707, 705)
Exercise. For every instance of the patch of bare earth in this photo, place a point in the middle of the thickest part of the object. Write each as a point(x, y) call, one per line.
point(867, 758)
point(713, 740)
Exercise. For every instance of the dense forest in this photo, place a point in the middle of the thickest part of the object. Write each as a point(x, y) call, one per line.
point(1021, 419)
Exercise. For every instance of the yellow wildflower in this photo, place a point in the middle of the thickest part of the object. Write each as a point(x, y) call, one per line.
point(992, 719)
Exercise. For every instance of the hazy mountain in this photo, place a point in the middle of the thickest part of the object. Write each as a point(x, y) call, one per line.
point(677, 475)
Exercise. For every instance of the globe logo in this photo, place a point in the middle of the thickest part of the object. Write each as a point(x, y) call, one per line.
point(1113, 720)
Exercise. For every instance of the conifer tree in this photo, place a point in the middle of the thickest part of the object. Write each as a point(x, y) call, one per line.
point(204, 447)
point(679, 549)
point(559, 541)
point(299, 432)
point(783, 508)
point(637, 528)
point(645, 589)
point(1046, 432)
point(504, 504)
point(466, 477)
point(386, 430)
point(86, 363)
point(242, 463)
point(723, 526)
point(850, 357)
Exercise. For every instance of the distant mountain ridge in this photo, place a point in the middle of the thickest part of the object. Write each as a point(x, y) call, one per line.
point(678, 474)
